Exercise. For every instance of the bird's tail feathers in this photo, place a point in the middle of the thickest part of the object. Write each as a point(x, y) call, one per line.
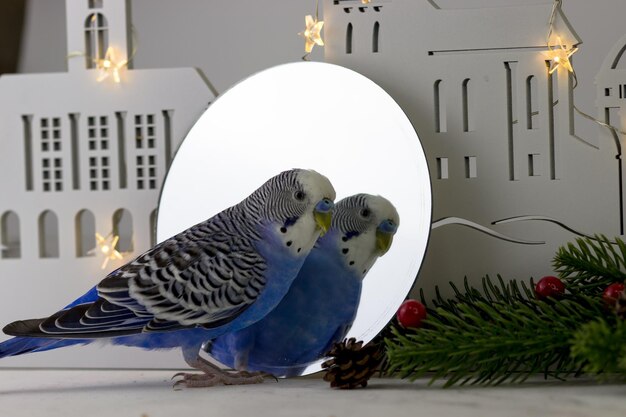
point(21, 345)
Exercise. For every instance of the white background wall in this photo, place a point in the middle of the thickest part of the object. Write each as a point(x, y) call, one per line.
point(227, 39)
point(231, 39)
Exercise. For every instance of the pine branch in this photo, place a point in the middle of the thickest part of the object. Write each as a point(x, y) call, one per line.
point(500, 334)
point(601, 347)
point(591, 264)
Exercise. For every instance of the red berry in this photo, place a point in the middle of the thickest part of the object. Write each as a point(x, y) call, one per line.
point(612, 293)
point(549, 287)
point(411, 313)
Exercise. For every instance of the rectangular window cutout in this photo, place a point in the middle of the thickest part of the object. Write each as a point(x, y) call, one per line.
point(553, 97)
point(607, 92)
point(470, 167)
point(75, 150)
point(534, 169)
point(442, 168)
point(28, 150)
point(167, 125)
point(511, 117)
point(121, 147)
point(440, 107)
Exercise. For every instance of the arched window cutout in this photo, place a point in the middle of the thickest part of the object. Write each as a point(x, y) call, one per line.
point(349, 39)
point(85, 224)
point(123, 227)
point(440, 108)
point(375, 37)
point(153, 219)
point(532, 107)
point(48, 235)
point(10, 236)
point(619, 62)
point(96, 38)
point(468, 114)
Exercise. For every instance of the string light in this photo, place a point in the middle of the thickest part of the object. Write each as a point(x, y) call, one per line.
point(560, 56)
point(312, 32)
point(106, 246)
point(110, 66)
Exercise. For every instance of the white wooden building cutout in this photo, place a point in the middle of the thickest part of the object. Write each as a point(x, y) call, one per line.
point(84, 156)
point(497, 128)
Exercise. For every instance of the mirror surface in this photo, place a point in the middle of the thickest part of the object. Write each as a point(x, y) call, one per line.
point(316, 116)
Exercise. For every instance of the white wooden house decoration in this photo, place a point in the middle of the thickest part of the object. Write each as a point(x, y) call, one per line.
point(611, 104)
point(497, 128)
point(80, 156)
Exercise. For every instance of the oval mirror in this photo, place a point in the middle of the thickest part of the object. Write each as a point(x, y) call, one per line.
point(316, 116)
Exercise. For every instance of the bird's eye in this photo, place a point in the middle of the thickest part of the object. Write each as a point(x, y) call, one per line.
point(299, 195)
point(365, 212)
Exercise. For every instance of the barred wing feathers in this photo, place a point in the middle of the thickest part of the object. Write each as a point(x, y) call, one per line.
point(205, 276)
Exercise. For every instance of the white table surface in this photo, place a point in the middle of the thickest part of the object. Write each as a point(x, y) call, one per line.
point(142, 393)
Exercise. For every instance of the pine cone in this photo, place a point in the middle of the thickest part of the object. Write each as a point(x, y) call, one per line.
point(620, 306)
point(352, 364)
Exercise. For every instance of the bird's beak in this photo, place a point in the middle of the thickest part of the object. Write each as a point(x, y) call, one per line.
point(383, 241)
point(323, 214)
point(322, 219)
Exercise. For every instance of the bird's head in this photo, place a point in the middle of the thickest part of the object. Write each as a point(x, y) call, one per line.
point(365, 226)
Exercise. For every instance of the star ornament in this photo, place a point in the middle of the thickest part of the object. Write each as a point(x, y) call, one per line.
point(311, 33)
point(560, 56)
point(106, 246)
point(110, 66)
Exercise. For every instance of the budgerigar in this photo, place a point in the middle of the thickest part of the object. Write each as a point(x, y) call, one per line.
point(321, 304)
point(218, 276)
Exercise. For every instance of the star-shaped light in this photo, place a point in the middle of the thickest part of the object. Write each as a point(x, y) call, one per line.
point(311, 33)
point(560, 56)
point(110, 66)
point(106, 245)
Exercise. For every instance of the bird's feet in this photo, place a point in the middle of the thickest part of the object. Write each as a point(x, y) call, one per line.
point(213, 375)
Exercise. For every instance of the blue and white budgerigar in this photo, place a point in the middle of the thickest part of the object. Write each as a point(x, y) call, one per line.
point(322, 302)
point(218, 276)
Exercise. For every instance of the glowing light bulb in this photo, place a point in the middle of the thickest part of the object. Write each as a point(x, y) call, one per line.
point(107, 248)
point(110, 66)
point(311, 33)
point(560, 56)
